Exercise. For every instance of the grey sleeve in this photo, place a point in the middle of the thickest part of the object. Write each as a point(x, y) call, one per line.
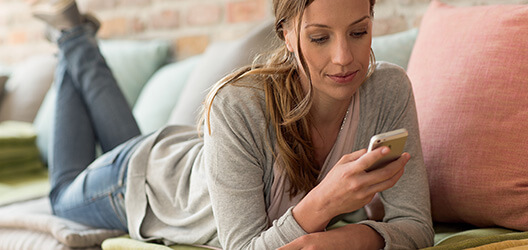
point(236, 158)
point(388, 105)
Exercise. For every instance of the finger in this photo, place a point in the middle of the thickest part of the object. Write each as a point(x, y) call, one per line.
point(370, 158)
point(389, 183)
point(294, 245)
point(354, 156)
point(393, 171)
point(392, 167)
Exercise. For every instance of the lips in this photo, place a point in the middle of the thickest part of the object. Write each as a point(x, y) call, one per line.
point(343, 77)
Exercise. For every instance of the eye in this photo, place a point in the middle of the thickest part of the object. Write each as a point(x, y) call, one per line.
point(319, 40)
point(358, 34)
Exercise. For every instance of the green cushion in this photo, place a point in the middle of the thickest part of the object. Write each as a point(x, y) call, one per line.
point(125, 243)
point(395, 48)
point(445, 230)
point(5, 70)
point(134, 62)
point(43, 122)
point(461, 236)
point(472, 235)
point(477, 237)
point(160, 94)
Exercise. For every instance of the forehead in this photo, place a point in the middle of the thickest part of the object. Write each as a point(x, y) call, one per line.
point(336, 11)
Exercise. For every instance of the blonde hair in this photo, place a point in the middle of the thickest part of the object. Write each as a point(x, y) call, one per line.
point(287, 106)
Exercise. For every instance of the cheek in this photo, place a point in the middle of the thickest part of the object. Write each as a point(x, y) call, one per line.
point(361, 53)
point(366, 48)
point(316, 57)
point(307, 55)
point(365, 56)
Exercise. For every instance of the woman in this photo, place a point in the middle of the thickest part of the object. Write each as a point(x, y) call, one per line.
point(282, 156)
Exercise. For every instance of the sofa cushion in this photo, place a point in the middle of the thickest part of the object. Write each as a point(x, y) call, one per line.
point(483, 239)
point(219, 60)
point(395, 48)
point(27, 85)
point(131, 62)
point(134, 62)
point(5, 70)
point(222, 58)
point(470, 80)
point(3, 80)
point(160, 94)
point(126, 243)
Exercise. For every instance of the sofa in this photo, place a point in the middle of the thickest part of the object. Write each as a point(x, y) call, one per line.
point(469, 70)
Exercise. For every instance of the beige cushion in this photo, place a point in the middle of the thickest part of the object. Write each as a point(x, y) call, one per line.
point(26, 88)
point(219, 60)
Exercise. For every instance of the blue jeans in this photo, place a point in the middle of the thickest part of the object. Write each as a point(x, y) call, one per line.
point(90, 109)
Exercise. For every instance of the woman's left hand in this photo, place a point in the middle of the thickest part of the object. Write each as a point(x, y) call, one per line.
point(353, 236)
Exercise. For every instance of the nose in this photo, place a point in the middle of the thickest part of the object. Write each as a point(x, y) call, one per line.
point(342, 53)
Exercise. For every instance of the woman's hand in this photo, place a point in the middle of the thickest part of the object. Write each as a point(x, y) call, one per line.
point(353, 236)
point(347, 187)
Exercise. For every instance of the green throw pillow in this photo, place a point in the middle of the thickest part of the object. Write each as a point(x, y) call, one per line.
point(132, 63)
point(395, 48)
point(160, 94)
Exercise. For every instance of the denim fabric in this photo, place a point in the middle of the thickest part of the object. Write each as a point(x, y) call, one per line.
point(96, 195)
point(90, 109)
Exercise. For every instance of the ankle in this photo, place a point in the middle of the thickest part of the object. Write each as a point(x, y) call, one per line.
point(59, 14)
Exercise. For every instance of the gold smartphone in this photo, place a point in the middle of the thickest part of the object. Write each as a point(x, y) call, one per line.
point(395, 140)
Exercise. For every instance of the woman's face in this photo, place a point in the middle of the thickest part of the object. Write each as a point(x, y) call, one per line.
point(335, 39)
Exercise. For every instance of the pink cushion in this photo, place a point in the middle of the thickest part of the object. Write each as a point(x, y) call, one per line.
point(469, 69)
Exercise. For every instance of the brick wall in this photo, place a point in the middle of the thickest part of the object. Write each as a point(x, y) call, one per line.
point(189, 24)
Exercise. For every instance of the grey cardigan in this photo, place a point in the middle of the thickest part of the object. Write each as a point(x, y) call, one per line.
point(214, 190)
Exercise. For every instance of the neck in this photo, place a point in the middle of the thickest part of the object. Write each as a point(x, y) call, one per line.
point(329, 114)
point(327, 121)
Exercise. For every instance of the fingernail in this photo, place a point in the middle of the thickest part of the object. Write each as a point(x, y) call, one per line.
point(407, 156)
point(385, 150)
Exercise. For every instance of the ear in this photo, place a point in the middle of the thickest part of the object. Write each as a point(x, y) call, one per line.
point(288, 36)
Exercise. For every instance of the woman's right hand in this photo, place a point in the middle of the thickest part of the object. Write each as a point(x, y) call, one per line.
point(347, 187)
